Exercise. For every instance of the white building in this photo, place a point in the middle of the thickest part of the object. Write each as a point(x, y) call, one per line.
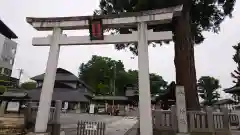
point(7, 49)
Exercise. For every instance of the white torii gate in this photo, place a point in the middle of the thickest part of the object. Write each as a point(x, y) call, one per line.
point(143, 36)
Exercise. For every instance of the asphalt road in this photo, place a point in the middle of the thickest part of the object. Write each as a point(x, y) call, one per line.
point(116, 125)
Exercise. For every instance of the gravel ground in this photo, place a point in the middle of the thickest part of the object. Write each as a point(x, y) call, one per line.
point(115, 125)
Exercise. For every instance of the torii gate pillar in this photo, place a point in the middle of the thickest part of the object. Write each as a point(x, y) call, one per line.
point(48, 83)
point(145, 109)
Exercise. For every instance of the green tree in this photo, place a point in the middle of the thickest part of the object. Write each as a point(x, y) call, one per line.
point(28, 85)
point(99, 73)
point(157, 84)
point(207, 88)
point(2, 89)
point(197, 16)
point(236, 58)
point(236, 73)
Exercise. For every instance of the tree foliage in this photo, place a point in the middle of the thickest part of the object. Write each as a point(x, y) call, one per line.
point(28, 85)
point(236, 58)
point(206, 15)
point(100, 73)
point(2, 89)
point(207, 88)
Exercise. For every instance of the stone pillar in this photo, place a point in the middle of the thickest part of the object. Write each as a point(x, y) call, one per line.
point(48, 83)
point(56, 125)
point(146, 126)
point(2, 108)
point(106, 107)
point(78, 108)
point(210, 119)
point(181, 110)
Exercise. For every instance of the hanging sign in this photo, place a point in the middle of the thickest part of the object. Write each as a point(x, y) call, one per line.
point(96, 29)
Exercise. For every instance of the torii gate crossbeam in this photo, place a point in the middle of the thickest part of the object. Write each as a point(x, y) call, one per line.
point(143, 36)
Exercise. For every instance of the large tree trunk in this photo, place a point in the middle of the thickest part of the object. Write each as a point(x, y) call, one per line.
point(184, 60)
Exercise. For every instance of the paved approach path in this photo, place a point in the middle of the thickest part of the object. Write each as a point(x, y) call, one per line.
point(115, 125)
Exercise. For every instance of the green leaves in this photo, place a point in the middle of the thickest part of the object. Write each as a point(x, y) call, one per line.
point(236, 58)
point(28, 85)
point(2, 89)
point(207, 89)
point(100, 73)
point(206, 15)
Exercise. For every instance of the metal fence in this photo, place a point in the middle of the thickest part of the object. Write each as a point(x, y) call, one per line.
point(85, 128)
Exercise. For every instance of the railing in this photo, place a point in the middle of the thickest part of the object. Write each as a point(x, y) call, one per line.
point(234, 119)
point(33, 114)
point(198, 121)
point(165, 120)
point(218, 119)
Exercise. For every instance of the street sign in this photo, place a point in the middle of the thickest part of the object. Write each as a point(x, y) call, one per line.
point(90, 126)
point(13, 106)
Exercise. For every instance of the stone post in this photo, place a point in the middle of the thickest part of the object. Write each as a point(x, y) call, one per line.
point(225, 118)
point(106, 107)
point(174, 118)
point(181, 111)
point(2, 108)
point(28, 115)
point(210, 121)
point(78, 108)
point(56, 124)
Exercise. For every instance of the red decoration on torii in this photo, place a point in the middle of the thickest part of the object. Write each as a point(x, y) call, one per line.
point(96, 29)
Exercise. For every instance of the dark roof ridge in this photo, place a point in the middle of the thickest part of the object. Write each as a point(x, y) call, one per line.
point(6, 31)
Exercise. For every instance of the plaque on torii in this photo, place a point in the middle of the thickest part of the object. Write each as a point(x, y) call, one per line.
point(96, 26)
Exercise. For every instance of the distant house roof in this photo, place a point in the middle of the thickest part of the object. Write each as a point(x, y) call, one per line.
point(169, 94)
point(14, 94)
point(225, 101)
point(233, 90)
point(8, 78)
point(61, 75)
point(64, 94)
point(120, 98)
point(6, 31)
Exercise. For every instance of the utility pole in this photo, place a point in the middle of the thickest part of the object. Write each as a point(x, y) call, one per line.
point(19, 77)
point(114, 81)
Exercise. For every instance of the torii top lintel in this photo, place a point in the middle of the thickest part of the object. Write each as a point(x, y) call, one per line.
point(109, 21)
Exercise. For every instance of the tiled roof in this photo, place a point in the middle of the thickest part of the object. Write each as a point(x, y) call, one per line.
point(225, 101)
point(110, 98)
point(232, 90)
point(61, 75)
point(64, 94)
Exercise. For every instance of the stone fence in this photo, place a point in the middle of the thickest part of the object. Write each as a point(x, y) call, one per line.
point(30, 115)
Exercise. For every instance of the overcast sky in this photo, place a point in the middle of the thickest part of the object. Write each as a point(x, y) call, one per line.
point(213, 57)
